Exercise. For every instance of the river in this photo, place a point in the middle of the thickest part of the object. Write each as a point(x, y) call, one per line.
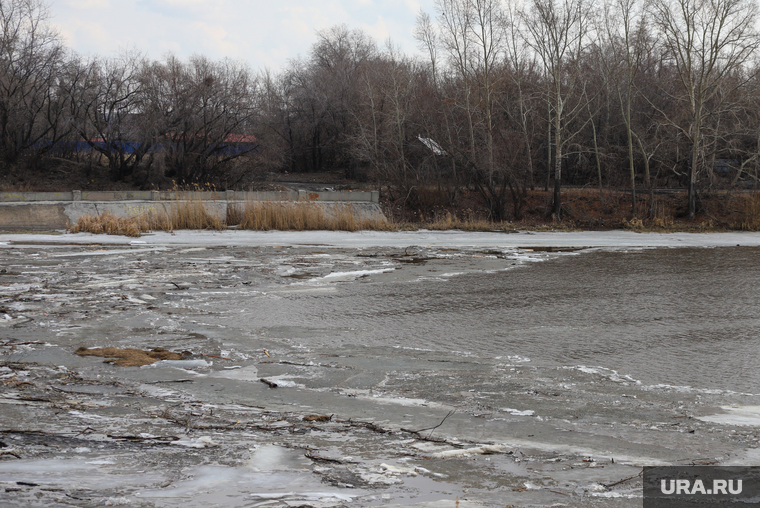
point(427, 370)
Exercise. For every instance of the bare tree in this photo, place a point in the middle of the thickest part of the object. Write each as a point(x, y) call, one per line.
point(618, 52)
point(31, 58)
point(105, 107)
point(472, 35)
point(210, 118)
point(524, 78)
point(557, 32)
point(383, 119)
point(705, 41)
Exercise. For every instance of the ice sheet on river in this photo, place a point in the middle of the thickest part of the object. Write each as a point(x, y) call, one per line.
point(419, 369)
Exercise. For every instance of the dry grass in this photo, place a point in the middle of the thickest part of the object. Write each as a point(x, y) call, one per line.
point(302, 216)
point(471, 223)
point(182, 215)
point(261, 216)
point(587, 211)
point(107, 223)
point(194, 215)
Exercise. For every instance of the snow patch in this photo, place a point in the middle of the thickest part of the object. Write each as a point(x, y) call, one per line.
point(180, 364)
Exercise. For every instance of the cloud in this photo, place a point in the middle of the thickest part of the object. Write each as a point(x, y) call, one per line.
point(88, 4)
point(215, 36)
point(413, 6)
point(86, 37)
point(379, 30)
point(264, 34)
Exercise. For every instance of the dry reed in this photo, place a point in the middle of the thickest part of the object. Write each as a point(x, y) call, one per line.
point(303, 216)
point(262, 216)
point(471, 223)
point(182, 215)
point(107, 223)
point(194, 215)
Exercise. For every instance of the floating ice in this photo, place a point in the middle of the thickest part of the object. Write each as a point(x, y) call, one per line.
point(610, 374)
point(410, 471)
point(180, 364)
point(201, 442)
point(113, 252)
point(626, 494)
point(403, 401)
point(691, 389)
point(517, 412)
point(467, 452)
point(307, 496)
point(117, 501)
point(339, 276)
point(283, 381)
point(746, 416)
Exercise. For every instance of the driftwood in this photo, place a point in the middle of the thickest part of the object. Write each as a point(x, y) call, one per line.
point(442, 421)
point(608, 485)
point(431, 429)
point(319, 458)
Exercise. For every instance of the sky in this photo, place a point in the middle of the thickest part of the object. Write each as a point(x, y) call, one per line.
point(264, 34)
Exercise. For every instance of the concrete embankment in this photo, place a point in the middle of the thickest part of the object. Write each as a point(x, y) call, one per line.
point(56, 210)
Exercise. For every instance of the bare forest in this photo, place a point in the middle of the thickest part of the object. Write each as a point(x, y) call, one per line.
point(503, 100)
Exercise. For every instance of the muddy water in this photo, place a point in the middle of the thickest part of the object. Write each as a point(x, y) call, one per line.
point(486, 376)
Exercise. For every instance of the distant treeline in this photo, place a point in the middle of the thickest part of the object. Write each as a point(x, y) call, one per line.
point(626, 94)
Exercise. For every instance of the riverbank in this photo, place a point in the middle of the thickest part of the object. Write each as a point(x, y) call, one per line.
point(721, 208)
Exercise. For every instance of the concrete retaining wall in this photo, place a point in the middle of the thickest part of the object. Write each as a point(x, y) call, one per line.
point(33, 197)
point(56, 210)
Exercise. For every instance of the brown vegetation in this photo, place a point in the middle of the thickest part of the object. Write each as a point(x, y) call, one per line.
point(129, 357)
point(583, 208)
point(301, 216)
point(107, 223)
point(262, 216)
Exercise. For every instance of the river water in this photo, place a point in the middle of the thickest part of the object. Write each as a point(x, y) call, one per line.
point(444, 375)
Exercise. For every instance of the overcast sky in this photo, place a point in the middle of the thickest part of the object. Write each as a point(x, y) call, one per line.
point(261, 33)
